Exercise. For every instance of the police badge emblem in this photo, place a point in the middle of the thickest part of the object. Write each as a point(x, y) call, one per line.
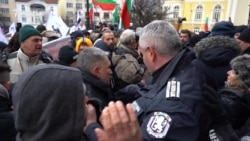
point(159, 124)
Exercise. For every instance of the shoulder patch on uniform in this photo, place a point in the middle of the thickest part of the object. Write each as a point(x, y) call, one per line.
point(213, 136)
point(158, 124)
point(245, 138)
point(173, 89)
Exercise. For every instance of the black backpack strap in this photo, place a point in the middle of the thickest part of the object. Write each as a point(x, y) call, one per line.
point(6, 56)
point(46, 57)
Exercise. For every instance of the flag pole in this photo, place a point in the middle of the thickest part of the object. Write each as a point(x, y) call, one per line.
point(120, 19)
point(87, 22)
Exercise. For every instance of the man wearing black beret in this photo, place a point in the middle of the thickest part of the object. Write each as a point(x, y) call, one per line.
point(244, 41)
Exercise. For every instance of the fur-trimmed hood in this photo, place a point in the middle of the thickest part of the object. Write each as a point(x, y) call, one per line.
point(217, 50)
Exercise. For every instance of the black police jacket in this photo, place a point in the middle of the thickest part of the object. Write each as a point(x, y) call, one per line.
point(172, 107)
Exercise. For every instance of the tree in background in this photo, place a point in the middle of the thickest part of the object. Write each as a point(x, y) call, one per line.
point(145, 11)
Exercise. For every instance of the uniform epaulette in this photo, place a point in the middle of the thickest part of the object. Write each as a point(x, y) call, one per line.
point(173, 89)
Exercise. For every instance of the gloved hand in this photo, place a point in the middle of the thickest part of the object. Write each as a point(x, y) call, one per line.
point(128, 94)
point(213, 105)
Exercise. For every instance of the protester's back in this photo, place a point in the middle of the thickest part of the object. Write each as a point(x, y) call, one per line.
point(52, 114)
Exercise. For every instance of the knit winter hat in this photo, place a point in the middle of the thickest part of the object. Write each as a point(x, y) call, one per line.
point(245, 36)
point(223, 28)
point(67, 55)
point(241, 66)
point(27, 31)
point(76, 34)
point(81, 41)
point(41, 28)
point(240, 28)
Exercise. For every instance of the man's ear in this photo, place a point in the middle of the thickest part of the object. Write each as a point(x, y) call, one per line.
point(132, 42)
point(96, 71)
point(152, 53)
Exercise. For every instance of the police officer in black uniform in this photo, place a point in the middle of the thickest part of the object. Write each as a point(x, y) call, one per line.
point(171, 106)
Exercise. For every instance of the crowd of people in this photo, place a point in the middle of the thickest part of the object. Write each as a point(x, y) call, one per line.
point(149, 83)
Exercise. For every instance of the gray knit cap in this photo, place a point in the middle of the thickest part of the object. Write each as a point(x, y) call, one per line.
point(241, 66)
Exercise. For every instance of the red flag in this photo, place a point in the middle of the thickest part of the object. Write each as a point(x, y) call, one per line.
point(125, 13)
point(206, 25)
point(91, 11)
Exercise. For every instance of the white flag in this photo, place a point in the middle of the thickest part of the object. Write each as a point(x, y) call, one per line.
point(79, 16)
point(12, 29)
point(56, 24)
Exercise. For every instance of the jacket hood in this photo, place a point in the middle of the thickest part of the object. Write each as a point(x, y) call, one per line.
point(102, 45)
point(128, 49)
point(48, 106)
point(217, 50)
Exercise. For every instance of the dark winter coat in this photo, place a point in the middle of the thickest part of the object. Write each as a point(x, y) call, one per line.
point(7, 127)
point(237, 105)
point(97, 89)
point(213, 57)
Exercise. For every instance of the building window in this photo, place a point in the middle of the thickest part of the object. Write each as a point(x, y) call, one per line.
point(216, 12)
point(78, 6)
point(24, 19)
point(69, 5)
point(106, 15)
point(96, 14)
point(37, 19)
point(23, 7)
point(196, 30)
point(6, 19)
point(51, 9)
point(176, 12)
point(4, 1)
point(70, 14)
point(4, 10)
point(198, 12)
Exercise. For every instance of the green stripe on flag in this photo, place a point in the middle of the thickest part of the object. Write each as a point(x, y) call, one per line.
point(90, 5)
point(106, 1)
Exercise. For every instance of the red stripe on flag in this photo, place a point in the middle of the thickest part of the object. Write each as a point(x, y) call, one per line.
point(125, 15)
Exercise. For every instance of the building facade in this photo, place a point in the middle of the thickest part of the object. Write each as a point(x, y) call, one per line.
point(34, 12)
point(69, 10)
point(196, 12)
point(7, 13)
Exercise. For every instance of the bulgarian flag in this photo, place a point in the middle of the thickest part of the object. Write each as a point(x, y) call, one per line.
point(91, 11)
point(116, 15)
point(206, 25)
point(105, 4)
point(125, 13)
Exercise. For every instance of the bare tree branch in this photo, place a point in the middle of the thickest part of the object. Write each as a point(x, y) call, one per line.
point(145, 11)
